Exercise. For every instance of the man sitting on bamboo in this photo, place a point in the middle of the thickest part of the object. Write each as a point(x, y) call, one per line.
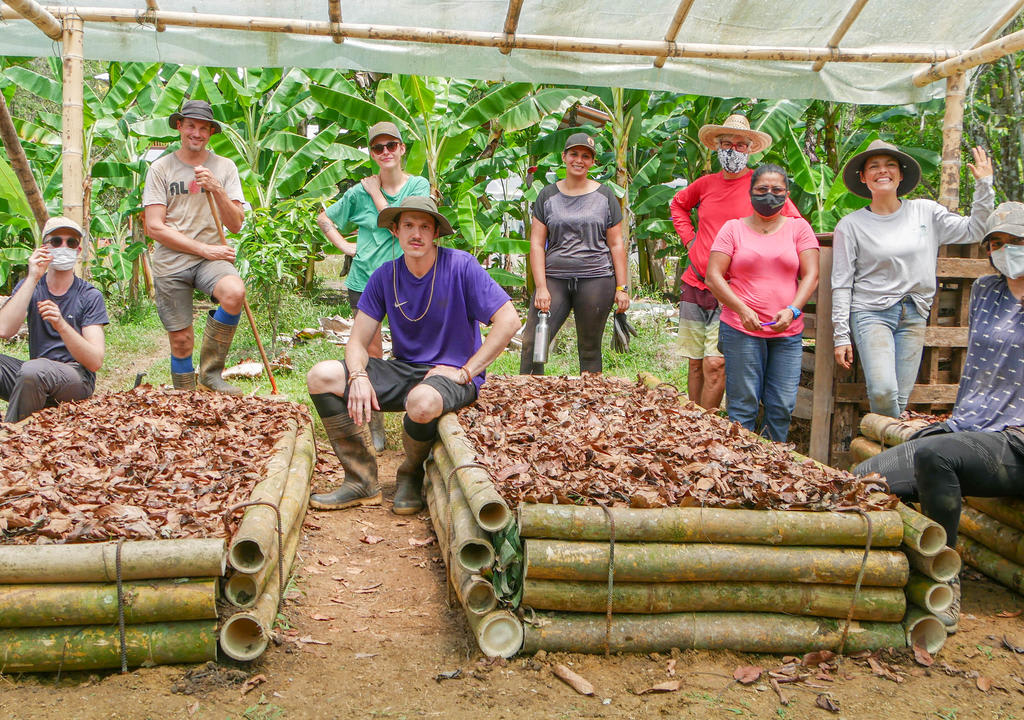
point(189, 255)
point(435, 299)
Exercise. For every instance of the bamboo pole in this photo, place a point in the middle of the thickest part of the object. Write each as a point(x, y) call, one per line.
point(152, 6)
point(1005, 572)
point(471, 545)
point(475, 593)
point(924, 630)
point(511, 23)
point(952, 134)
point(548, 43)
point(682, 10)
point(258, 529)
point(862, 449)
point(928, 594)
point(921, 534)
point(38, 16)
point(243, 589)
point(889, 431)
point(489, 508)
point(93, 647)
point(1000, 538)
point(96, 562)
point(941, 567)
point(840, 32)
point(96, 603)
point(1007, 510)
point(710, 525)
point(1014, 42)
point(19, 163)
point(334, 13)
point(73, 128)
point(740, 632)
point(1001, 22)
point(662, 562)
point(873, 603)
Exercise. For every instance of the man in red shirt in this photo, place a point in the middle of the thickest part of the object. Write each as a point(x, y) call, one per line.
point(717, 197)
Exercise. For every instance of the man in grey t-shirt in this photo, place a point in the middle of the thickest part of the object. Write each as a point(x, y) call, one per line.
point(189, 255)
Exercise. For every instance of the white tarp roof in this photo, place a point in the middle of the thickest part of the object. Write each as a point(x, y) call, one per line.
point(882, 26)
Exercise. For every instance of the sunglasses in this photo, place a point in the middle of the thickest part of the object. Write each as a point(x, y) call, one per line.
point(390, 146)
point(58, 240)
point(739, 147)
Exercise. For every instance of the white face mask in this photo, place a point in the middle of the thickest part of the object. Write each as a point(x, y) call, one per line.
point(732, 160)
point(1009, 260)
point(64, 258)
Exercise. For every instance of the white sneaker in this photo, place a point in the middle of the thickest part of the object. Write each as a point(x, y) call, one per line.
point(951, 616)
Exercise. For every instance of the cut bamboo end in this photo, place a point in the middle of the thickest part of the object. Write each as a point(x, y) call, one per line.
point(933, 596)
point(942, 567)
point(921, 534)
point(488, 507)
point(242, 637)
point(247, 556)
point(475, 555)
point(498, 633)
point(492, 516)
point(478, 595)
point(924, 630)
point(241, 590)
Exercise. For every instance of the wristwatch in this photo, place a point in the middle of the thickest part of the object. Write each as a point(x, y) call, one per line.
point(623, 288)
point(797, 312)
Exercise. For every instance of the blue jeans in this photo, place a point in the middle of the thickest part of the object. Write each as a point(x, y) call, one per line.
point(761, 371)
point(889, 343)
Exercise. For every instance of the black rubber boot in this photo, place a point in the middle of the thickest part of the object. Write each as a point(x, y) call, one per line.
point(183, 381)
point(360, 486)
point(216, 343)
point(409, 477)
point(380, 440)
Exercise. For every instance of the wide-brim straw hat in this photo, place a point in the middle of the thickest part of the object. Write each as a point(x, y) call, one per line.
point(1007, 218)
point(419, 203)
point(908, 167)
point(197, 110)
point(735, 125)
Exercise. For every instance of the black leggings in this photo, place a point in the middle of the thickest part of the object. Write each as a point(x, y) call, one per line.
point(590, 300)
point(940, 469)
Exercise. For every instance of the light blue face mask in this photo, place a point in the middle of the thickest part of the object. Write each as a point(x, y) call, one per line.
point(1009, 260)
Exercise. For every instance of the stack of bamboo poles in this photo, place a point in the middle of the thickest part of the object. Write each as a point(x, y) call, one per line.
point(933, 565)
point(992, 539)
point(259, 555)
point(59, 604)
point(878, 432)
point(465, 508)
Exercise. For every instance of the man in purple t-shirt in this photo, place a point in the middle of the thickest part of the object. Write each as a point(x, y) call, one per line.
point(65, 317)
point(435, 299)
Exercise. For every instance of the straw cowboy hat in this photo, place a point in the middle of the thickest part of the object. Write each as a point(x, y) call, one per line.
point(419, 203)
point(735, 125)
point(908, 167)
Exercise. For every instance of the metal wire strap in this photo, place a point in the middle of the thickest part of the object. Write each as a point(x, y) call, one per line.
point(611, 579)
point(120, 606)
point(281, 580)
point(860, 578)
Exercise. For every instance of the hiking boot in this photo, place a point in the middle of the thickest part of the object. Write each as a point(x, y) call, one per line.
point(216, 343)
point(360, 486)
point(409, 476)
point(183, 381)
point(380, 440)
point(951, 616)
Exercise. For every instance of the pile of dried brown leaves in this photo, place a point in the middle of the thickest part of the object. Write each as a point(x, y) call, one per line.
point(143, 464)
point(602, 440)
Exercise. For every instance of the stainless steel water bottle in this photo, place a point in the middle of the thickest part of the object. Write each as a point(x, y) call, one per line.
point(540, 338)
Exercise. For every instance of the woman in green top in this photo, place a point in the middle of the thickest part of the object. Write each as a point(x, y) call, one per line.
point(374, 246)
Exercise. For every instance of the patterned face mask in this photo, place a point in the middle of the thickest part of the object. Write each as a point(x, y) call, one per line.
point(732, 161)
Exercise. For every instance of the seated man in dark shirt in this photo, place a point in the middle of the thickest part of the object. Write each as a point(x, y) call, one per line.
point(65, 315)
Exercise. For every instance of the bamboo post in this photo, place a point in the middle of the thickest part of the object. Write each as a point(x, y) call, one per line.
point(471, 545)
point(924, 630)
point(38, 16)
point(489, 508)
point(153, 7)
point(952, 133)
point(941, 567)
point(889, 431)
point(19, 163)
point(511, 23)
point(334, 13)
point(824, 362)
point(837, 36)
point(1005, 572)
point(921, 534)
point(73, 128)
point(1002, 21)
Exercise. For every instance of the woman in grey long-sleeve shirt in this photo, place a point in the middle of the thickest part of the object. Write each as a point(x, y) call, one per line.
point(883, 268)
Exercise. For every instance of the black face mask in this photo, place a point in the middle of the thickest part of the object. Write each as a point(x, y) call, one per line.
point(767, 205)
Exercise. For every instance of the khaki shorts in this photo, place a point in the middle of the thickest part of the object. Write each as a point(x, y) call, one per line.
point(698, 326)
point(174, 292)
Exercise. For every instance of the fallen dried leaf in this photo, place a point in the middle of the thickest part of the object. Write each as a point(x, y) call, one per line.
point(663, 687)
point(1013, 644)
point(923, 657)
point(576, 682)
point(371, 539)
point(814, 659)
point(192, 708)
point(415, 542)
point(1009, 613)
point(448, 675)
point(368, 589)
point(365, 656)
point(318, 616)
point(253, 682)
point(983, 683)
point(328, 561)
point(827, 702)
point(309, 640)
point(747, 674)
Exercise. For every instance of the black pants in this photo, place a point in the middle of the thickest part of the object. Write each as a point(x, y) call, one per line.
point(939, 470)
point(590, 300)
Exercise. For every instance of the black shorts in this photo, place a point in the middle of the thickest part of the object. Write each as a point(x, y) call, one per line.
point(393, 380)
point(353, 300)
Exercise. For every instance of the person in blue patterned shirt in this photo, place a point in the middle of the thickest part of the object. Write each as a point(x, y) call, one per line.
point(979, 450)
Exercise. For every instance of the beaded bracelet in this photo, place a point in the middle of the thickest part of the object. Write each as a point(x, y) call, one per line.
point(357, 374)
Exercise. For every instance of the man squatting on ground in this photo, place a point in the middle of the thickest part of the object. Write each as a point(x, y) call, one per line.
point(189, 254)
point(65, 315)
point(435, 299)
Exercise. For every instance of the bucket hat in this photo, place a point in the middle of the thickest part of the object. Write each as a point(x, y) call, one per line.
point(908, 166)
point(580, 139)
point(735, 125)
point(59, 223)
point(197, 110)
point(1007, 218)
point(419, 203)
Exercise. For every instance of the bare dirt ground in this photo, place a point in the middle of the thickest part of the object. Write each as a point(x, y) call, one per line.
point(370, 627)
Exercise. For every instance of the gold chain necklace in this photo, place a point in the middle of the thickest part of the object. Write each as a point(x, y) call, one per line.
point(430, 299)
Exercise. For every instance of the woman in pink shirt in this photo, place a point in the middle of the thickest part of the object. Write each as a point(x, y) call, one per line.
point(763, 268)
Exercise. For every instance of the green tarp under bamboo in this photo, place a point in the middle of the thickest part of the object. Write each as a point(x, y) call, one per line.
point(710, 525)
point(664, 562)
point(741, 632)
point(873, 603)
point(47, 605)
point(94, 647)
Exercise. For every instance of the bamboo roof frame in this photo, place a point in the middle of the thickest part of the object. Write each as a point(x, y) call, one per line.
point(673, 29)
point(840, 31)
point(515, 8)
